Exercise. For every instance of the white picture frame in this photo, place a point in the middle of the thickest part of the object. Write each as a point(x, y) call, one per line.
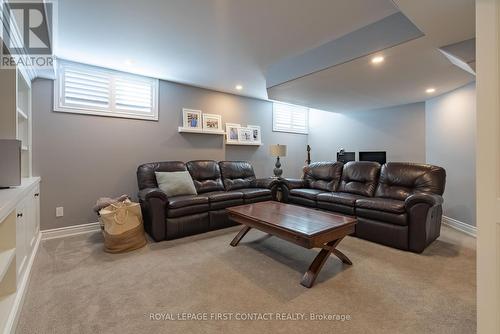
point(256, 134)
point(212, 123)
point(232, 133)
point(245, 135)
point(192, 119)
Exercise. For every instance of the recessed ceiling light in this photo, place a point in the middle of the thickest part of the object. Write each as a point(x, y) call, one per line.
point(377, 59)
point(239, 87)
point(129, 62)
point(430, 90)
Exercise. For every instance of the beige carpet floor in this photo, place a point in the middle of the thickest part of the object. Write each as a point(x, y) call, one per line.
point(76, 288)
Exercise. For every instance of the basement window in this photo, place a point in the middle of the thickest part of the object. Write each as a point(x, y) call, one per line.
point(85, 89)
point(290, 118)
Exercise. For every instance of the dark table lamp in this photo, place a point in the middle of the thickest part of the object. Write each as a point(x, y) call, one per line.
point(277, 151)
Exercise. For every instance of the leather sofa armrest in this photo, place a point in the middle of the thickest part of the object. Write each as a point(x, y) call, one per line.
point(424, 220)
point(288, 184)
point(426, 198)
point(154, 212)
point(294, 183)
point(267, 183)
point(148, 193)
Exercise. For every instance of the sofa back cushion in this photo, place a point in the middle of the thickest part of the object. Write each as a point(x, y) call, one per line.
point(323, 175)
point(360, 177)
point(175, 183)
point(237, 174)
point(399, 180)
point(146, 177)
point(206, 175)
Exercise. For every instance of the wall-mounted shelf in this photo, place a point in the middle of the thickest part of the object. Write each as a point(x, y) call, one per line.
point(245, 144)
point(22, 114)
point(6, 258)
point(200, 131)
point(6, 303)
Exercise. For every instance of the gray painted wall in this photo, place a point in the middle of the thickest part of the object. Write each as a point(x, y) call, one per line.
point(450, 143)
point(399, 130)
point(81, 158)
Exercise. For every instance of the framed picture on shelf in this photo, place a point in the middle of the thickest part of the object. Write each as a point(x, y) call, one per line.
point(245, 135)
point(191, 119)
point(212, 122)
point(256, 134)
point(232, 132)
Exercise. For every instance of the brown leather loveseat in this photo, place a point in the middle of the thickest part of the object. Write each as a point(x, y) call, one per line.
point(397, 204)
point(219, 185)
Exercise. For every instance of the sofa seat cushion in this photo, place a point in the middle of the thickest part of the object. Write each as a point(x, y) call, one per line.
point(258, 199)
point(381, 204)
point(255, 192)
point(383, 216)
point(339, 198)
point(221, 196)
point(177, 202)
point(306, 193)
point(223, 199)
point(226, 204)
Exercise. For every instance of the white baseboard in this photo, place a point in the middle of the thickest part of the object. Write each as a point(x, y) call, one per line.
point(22, 288)
point(70, 230)
point(460, 226)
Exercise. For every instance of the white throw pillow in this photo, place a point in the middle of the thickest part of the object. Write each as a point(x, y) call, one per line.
point(176, 183)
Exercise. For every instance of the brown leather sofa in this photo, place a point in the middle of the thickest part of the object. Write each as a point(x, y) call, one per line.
point(219, 185)
point(397, 204)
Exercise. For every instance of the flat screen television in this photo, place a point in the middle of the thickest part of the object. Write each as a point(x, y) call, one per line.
point(378, 156)
point(346, 157)
point(10, 163)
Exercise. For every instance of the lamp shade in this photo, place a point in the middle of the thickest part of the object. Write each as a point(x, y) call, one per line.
point(277, 150)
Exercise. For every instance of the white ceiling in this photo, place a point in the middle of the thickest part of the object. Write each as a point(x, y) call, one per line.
point(409, 69)
point(358, 85)
point(220, 43)
point(208, 43)
point(443, 21)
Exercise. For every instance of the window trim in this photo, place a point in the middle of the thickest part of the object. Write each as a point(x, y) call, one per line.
point(108, 112)
point(306, 132)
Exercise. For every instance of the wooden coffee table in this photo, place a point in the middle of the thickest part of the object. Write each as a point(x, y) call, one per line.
point(305, 227)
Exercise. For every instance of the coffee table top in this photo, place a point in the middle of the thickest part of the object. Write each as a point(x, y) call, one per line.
point(305, 221)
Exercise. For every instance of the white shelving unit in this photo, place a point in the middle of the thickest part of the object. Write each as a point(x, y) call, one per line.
point(8, 274)
point(200, 131)
point(19, 206)
point(15, 113)
point(6, 258)
point(19, 239)
point(22, 114)
point(23, 108)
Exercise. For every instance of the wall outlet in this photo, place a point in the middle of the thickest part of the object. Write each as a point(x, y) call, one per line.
point(59, 211)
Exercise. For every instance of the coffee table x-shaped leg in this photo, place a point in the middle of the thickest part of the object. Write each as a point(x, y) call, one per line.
point(312, 273)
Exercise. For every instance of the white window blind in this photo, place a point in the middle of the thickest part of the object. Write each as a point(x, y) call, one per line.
point(87, 89)
point(290, 118)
